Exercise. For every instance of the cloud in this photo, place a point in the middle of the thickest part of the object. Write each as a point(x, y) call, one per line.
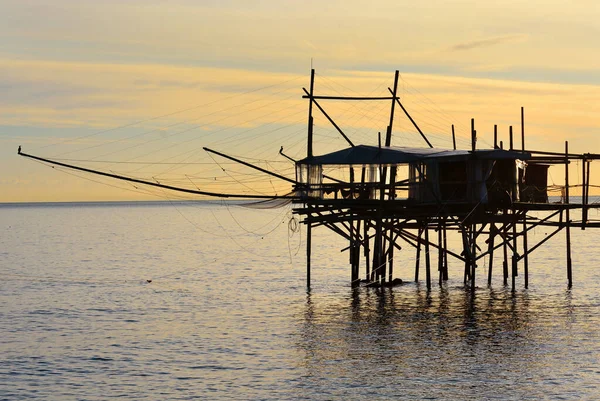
point(487, 42)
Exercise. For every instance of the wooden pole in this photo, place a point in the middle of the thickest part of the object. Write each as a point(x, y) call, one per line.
point(525, 252)
point(514, 250)
point(522, 129)
point(388, 137)
point(427, 258)
point(583, 191)
point(466, 247)
point(308, 250)
point(418, 257)
point(309, 145)
point(445, 252)
point(453, 138)
point(473, 258)
point(495, 136)
point(491, 251)
point(473, 135)
point(505, 246)
point(587, 194)
point(568, 217)
point(440, 253)
point(391, 196)
point(366, 252)
point(413, 121)
point(510, 137)
point(354, 280)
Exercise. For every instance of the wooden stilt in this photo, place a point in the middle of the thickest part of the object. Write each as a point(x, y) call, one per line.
point(427, 258)
point(525, 252)
point(445, 252)
point(491, 252)
point(473, 263)
point(384, 256)
point(584, 185)
point(367, 250)
point(440, 254)
point(418, 257)
point(467, 253)
point(587, 194)
point(355, 254)
point(514, 253)
point(308, 251)
point(505, 249)
point(568, 217)
point(391, 258)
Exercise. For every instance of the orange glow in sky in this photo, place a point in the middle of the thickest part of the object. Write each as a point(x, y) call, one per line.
point(189, 72)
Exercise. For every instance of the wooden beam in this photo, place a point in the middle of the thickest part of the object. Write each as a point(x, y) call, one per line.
point(329, 118)
point(250, 165)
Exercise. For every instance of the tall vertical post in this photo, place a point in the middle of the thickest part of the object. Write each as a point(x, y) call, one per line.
point(505, 249)
point(491, 251)
point(495, 136)
point(366, 252)
point(308, 249)
point(418, 257)
point(568, 218)
point(453, 138)
point(445, 253)
point(388, 136)
point(583, 194)
point(522, 129)
point(525, 251)
point(514, 253)
point(309, 153)
point(466, 237)
point(441, 250)
point(473, 135)
point(587, 194)
point(473, 258)
point(510, 137)
point(392, 241)
point(427, 258)
point(309, 145)
point(355, 252)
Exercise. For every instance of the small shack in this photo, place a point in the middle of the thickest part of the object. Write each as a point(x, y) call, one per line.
point(417, 176)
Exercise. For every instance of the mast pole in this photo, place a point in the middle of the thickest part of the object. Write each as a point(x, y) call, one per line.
point(309, 146)
point(388, 136)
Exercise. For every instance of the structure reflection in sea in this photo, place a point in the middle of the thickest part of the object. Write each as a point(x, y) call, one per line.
point(227, 315)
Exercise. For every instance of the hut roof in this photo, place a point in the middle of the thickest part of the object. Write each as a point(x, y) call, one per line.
point(366, 154)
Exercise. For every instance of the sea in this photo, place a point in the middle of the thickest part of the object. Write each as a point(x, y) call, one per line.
point(208, 300)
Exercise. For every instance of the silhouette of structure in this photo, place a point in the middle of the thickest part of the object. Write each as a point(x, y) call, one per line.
point(387, 196)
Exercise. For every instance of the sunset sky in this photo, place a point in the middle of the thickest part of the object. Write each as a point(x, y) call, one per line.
point(78, 78)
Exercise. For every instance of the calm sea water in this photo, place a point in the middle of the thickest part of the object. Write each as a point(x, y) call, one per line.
point(227, 315)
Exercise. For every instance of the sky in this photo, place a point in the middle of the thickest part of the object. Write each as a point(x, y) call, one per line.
point(131, 85)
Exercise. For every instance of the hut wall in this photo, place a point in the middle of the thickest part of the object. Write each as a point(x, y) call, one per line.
point(501, 184)
point(310, 177)
point(453, 180)
point(535, 184)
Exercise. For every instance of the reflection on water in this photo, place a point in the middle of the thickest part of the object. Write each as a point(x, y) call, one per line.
point(449, 344)
point(227, 316)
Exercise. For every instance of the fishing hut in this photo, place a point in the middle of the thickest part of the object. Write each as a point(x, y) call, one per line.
point(387, 199)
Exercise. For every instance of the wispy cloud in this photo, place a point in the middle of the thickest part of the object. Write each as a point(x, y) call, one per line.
point(487, 42)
